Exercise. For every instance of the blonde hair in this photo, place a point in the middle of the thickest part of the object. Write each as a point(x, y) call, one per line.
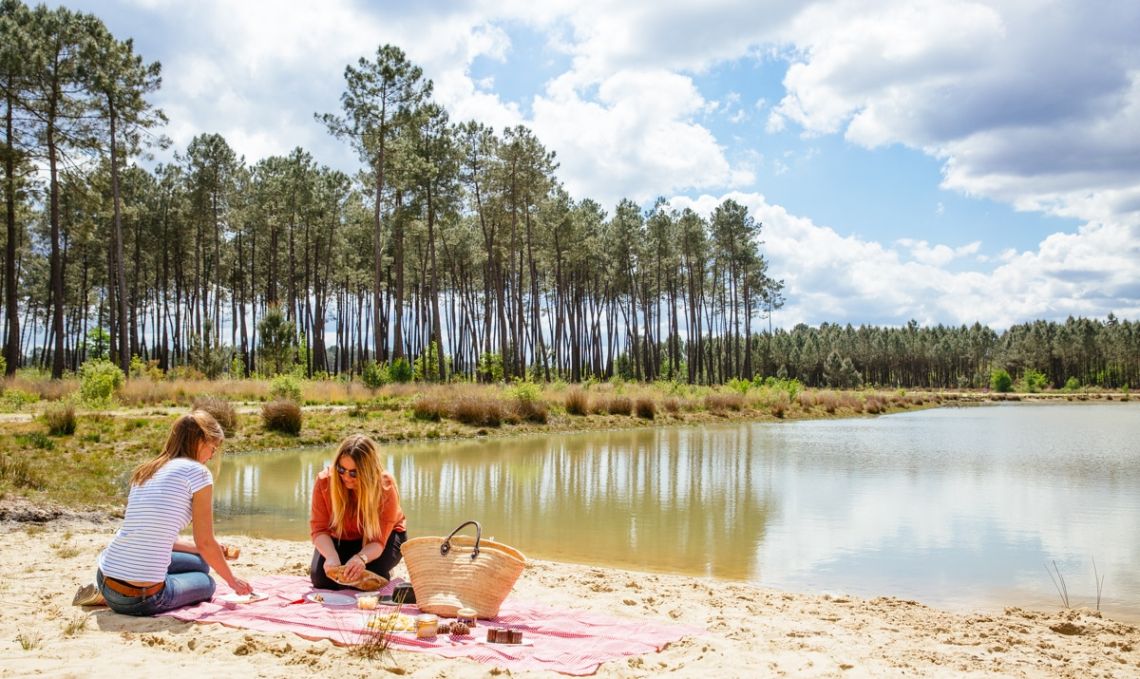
point(186, 434)
point(368, 504)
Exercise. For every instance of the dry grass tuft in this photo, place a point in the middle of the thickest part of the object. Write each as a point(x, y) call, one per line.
point(60, 418)
point(645, 407)
point(577, 402)
point(222, 410)
point(672, 405)
point(282, 416)
point(719, 403)
point(528, 410)
point(619, 405)
point(477, 410)
point(431, 406)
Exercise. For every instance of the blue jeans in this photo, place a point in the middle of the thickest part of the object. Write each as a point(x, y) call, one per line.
point(187, 582)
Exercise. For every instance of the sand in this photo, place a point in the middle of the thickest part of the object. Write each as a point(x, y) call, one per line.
point(751, 631)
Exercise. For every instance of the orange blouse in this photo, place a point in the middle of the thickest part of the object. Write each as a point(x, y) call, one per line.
point(391, 514)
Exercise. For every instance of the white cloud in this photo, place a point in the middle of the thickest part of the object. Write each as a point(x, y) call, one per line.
point(836, 278)
point(616, 146)
point(1032, 107)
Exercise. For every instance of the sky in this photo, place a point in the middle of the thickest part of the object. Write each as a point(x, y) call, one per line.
point(949, 162)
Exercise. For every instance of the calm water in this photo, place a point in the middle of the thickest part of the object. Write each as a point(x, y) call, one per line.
point(957, 507)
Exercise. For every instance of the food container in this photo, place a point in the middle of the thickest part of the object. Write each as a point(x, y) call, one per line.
point(466, 616)
point(367, 603)
point(515, 636)
point(427, 626)
point(231, 552)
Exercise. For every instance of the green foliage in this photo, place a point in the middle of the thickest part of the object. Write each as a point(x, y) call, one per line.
point(491, 367)
point(524, 390)
point(60, 418)
point(15, 471)
point(98, 343)
point(3, 366)
point(1032, 381)
point(840, 372)
point(15, 399)
point(375, 375)
point(791, 387)
point(286, 387)
point(426, 366)
point(1072, 384)
point(237, 367)
point(207, 356)
point(740, 386)
point(1000, 381)
point(98, 381)
point(401, 370)
point(278, 339)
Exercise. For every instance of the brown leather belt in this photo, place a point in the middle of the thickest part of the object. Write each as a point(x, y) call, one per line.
point(127, 589)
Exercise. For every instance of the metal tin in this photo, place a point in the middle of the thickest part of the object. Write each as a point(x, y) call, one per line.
point(466, 616)
point(427, 626)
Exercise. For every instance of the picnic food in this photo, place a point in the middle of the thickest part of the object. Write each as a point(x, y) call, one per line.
point(231, 552)
point(391, 621)
point(460, 628)
point(427, 626)
point(368, 582)
point(366, 602)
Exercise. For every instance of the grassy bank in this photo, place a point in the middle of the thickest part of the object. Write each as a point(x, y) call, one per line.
point(87, 467)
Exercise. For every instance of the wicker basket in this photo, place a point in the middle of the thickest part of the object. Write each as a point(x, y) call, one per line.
point(461, 572)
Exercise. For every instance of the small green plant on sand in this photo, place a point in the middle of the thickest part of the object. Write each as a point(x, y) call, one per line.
point(29, 641)
point(75, 625)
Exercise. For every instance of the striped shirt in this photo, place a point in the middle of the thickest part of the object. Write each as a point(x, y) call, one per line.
point(156, 512)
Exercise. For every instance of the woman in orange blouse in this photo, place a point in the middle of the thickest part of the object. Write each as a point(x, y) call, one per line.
point(356, 518)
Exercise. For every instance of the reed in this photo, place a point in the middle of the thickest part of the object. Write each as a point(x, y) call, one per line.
point(1059, 583)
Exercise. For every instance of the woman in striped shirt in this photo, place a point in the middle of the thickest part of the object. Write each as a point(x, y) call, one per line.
point(148, 568)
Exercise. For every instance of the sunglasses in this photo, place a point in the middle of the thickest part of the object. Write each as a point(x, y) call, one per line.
point(342, 471)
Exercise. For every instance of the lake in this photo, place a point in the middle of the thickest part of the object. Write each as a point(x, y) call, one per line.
point(965, 508)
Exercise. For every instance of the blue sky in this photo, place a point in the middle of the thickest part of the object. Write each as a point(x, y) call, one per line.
point(951, 161)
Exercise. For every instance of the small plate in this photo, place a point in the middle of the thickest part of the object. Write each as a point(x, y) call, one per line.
point(331, 599)
point(243, 598)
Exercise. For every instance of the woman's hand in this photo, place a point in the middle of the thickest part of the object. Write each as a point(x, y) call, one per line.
point(240, 586)
point(353, 570)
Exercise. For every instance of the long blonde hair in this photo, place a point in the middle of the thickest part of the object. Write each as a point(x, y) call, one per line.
point(186, 434)
point(368, 503)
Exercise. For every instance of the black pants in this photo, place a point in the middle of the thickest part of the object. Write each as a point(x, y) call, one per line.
point(346, 549)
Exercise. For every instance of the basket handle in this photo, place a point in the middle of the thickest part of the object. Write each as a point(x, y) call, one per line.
point(446, 546)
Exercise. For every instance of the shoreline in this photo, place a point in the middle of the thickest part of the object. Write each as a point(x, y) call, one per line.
point(750, 630)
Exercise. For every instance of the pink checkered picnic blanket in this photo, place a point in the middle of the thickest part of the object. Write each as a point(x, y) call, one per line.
point(566, 641)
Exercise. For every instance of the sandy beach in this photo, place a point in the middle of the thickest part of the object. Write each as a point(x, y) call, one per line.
point(749, 631)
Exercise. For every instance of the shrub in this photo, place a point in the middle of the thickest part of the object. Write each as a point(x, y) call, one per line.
point(531, 410)
point(285, 388)
point(577, 402)
point(1033, 381)
point(739, 386)
point(645, 408)
point(98, 380)
point(619, 405)
point(375, 375)
point(719, 403)
point(429, 407)
point(60, 418)
point(222, 410)
point(401, 370)
point(1000, 381)
point(15, 399)
point(478, 411)
point(1072, 384)
point(283, 416)
point(673, 405)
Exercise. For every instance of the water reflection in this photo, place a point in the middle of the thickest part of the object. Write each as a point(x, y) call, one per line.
point(952, 506)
